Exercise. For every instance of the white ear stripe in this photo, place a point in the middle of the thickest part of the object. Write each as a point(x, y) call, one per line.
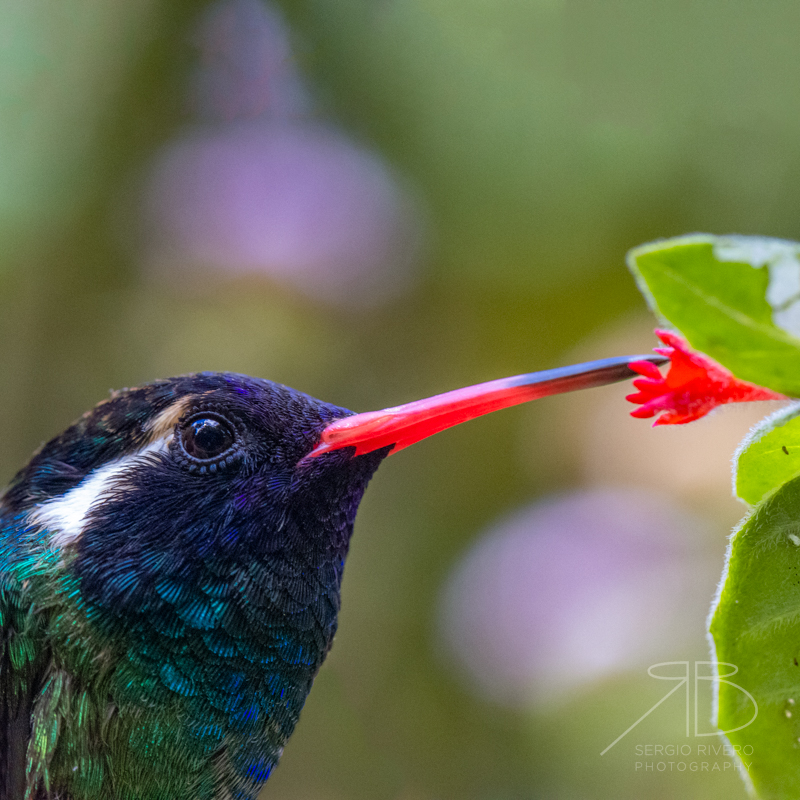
point(65, 516)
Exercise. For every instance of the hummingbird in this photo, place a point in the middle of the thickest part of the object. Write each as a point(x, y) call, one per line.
point(170, 575)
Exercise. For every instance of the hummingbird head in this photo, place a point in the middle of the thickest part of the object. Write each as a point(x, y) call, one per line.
point(165, 479)
point(225, 469)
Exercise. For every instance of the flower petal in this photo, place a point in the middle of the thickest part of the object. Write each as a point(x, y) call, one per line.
point(693, 386)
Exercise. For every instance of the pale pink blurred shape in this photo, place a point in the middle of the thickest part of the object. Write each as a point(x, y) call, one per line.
point(264, 190)
point(575, 589)
point(298, 203)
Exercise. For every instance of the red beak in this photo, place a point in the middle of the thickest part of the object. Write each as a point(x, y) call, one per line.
point(404, 425)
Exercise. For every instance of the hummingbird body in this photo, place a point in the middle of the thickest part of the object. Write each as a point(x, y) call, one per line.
point(162, 623)
point(170, 574)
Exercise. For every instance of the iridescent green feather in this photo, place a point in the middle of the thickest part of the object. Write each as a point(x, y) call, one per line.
point(50, 713)
point(22, 657)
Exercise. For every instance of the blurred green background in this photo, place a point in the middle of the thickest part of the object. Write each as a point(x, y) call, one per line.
point(378, 201)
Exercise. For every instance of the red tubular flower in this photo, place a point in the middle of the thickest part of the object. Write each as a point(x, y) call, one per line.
point(693, 386)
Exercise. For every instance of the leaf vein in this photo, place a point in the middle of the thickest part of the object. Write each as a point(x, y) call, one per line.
point(770, 331)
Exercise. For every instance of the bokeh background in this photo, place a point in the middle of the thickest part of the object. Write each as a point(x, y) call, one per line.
point(378, 201)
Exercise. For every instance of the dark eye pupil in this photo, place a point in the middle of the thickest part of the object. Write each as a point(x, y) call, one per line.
point(206, 438)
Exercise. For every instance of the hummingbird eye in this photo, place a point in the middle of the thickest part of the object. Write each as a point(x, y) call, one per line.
point(208, 441)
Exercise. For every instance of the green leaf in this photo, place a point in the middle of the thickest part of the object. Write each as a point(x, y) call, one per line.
point(738, 300)
point(735, 298)
point(769, 456)
point(756, 628)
